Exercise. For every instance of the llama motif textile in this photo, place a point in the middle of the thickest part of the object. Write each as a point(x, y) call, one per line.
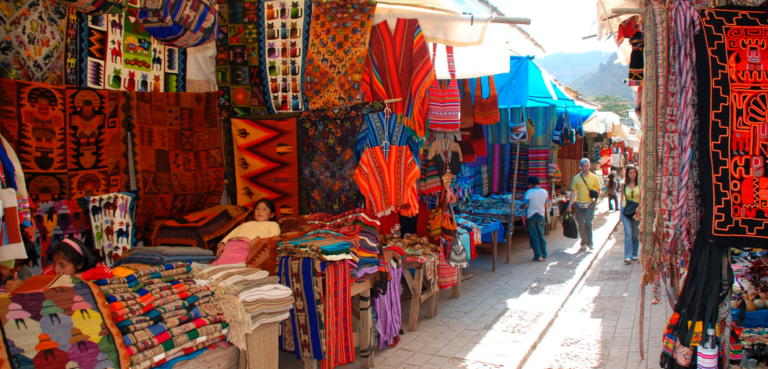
point(58, 322)
point(30, 49)
point(328, 140)
point(115, 52)
point(57, 220)
point(177, 154)
point(62, 136)
point(284, 32)
point(112, 222)
point(733, 132)
point(338, 50)
point(267, 163)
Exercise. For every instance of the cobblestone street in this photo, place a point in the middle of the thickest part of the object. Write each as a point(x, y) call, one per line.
point(577, 310)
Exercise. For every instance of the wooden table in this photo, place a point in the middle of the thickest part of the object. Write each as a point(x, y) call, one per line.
point(363, 338)
point(504, 219)
point(415, 282)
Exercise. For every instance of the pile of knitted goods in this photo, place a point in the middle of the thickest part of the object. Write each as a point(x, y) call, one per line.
point(166, 254)
point(163, 314)
point(253, 303)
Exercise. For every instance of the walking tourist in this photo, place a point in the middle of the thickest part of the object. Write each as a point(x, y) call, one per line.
point(630, 198)
point(611, 188)
point(537, 204)
point(585, 190)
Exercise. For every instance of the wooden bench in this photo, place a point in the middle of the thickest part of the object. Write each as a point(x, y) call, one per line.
point(415, 283)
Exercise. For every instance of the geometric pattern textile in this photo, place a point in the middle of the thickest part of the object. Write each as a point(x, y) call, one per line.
point(198, 229)
point(733, 135)
point(112, 220)
point(70, 141)
point(59, 322)
point(57, 220)
point(177, 154)
point(30, 48)
point(115, 52)
point(266, 163)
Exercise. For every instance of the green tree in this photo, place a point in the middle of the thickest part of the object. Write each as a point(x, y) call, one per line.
point(612, 103)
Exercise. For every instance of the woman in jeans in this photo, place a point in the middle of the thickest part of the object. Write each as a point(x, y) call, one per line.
point(630, 193)
point(611, 188)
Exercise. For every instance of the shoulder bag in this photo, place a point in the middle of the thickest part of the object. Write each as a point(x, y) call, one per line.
point(592, 193)
point(630, 209)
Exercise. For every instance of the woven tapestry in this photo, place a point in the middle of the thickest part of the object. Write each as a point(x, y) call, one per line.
point(538, 165)
point(734, 134)
point(177, 153)
point(337, 52)
point(498, 167)
point(57, 220)
point(112, 223)
point(266, 163)
point(30, 49)
point(115, 52)
point(522, 171)
point(71, 141)
point(237, 59)
point(327, 140)
point(58, 322)
point(284, 35)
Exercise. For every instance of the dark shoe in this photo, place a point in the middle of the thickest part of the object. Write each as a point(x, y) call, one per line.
point(536, 259)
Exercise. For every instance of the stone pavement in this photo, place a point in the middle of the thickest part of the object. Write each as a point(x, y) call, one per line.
point(500, 316)
point(599, 324)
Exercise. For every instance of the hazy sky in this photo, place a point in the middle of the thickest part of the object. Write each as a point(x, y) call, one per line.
point(559, 25)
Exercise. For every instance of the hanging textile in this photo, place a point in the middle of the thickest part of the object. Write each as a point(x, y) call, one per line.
point(71, 142)
point(337, 51)
point(327, 157)
point(538, 164)
point(388, 307)
point(467, 109)
point(522, 170)
point(498, 167)
point(184, 172)
point(385, 132)
point(267, 163)
point(283, 40)
point(179, 24)
point(115, 52)
point(11, 245)
point(305, 332)
point(112, 221)
point(57, 220)
point(339, 343)
point(399, 67)
point(388, 180)
point(444, 101)
point(486, 109)
point(30, 49)
point(14, 178)
point(501, 131)
point(480, 169)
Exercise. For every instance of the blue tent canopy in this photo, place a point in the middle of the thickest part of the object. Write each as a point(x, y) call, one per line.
point(527, 85)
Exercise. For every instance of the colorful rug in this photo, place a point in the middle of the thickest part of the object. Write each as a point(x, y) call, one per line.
point(57, 220)
point(237, 59)
point(266, 163)
point(538, 165)
point(113, 225)
point(62, 135)
point(52, 321)
point(327, 140)
point(734, 192)
point(522, 170)
point(177, 154)
point(196, 229)
point(115, 52)
point(31, 46)
point(338, 50)
point(284, 35)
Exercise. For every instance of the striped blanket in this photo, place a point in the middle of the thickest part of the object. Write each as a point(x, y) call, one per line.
point(538, 161)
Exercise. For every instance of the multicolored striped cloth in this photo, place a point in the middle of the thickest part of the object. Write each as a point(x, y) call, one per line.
point(522, 170)
point(498, 167)
point(538, 161)
point(445, 104)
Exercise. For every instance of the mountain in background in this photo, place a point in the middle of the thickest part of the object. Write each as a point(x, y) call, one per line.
point(608, 78)
point(566, 67)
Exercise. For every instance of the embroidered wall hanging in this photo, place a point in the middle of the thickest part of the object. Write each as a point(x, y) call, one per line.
point(58, 322)
point(734, 134)
point(112, 222)
point(266, 163)
point(71, 141)
point(327, 140)
point(177, 155)
point(284, 35)
point(30, 49)
point(57, 220)
point(115, 52)
point(337, 52)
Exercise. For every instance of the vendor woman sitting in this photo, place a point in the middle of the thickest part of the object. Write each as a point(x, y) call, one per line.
point(235, 246)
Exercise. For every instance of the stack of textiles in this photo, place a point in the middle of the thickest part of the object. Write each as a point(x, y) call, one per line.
point(470, 234)
point(166, 254)
point(163, 314)
point(418, 250)
point(320, 326)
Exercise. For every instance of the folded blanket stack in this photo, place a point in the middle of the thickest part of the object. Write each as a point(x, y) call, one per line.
point(166, 254)
point(249, 298)
point(163, 314)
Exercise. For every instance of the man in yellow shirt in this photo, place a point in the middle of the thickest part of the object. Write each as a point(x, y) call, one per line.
point(581, 186)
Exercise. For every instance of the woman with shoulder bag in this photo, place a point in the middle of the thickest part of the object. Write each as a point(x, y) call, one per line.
point(630, 199)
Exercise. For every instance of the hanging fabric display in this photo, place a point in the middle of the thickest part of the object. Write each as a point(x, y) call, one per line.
point(265, 151)
point(518, 124)
point(337, 52)
point(57, 220)
point(445, 102)
point(11, 245)
point(388, 180)
point(399, 67)
point(283, 34)
point(112, 222)
point(116, 52)
point(179, 23)
point(97, 6)
point(467, 109)
point(385, 131)
point(486, 109)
